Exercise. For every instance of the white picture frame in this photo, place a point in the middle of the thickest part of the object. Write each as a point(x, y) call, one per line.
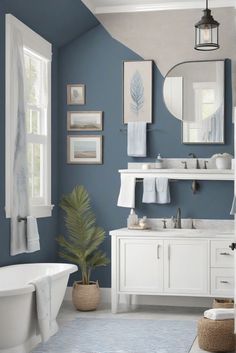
point(137, 91)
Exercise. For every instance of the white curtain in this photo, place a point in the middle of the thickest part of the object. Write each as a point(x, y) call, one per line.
point(20, 196)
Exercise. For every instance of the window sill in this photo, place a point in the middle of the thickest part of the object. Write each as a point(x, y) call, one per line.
point(38, 211)
point(42, 211)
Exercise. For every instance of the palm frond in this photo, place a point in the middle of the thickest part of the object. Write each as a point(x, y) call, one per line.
point(81, 245)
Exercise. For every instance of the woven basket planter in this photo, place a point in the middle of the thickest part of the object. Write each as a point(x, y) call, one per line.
point(216, 336)
point(223, 303)
point(86, 297)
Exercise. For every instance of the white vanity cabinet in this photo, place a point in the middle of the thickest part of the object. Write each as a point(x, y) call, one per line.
point(186, 266)
point(141, 265)
point(150, 263)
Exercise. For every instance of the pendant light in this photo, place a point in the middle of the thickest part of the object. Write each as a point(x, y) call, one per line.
point(207, 32)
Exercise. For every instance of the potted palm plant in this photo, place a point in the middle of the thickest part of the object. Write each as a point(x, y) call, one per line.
point(81, 246)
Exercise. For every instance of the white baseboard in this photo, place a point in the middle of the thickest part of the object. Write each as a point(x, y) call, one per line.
point(196, 302)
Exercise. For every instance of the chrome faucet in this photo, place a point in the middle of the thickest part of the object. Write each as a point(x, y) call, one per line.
point(197, 161)
point(177, 219)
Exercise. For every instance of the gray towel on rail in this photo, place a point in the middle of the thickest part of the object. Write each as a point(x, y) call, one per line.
point(163, 190)
point(32, 236)
point(149, 190)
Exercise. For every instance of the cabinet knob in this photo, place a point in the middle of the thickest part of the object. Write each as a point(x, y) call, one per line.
point(224, 282)
point(232, 246)
point(225, 253)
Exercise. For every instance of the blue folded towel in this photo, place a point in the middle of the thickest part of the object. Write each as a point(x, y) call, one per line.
point(163, 190)
point(149, 190)
point(137, 139)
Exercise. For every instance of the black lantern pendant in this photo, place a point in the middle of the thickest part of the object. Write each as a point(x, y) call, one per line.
point(207, 32)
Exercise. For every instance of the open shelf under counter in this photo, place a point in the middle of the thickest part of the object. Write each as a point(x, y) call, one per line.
point(182, 174)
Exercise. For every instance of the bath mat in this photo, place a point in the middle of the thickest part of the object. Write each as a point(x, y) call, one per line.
point(122, 336)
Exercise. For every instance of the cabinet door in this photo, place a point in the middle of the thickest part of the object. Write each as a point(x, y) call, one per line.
point(186, 266)
point(141, 265)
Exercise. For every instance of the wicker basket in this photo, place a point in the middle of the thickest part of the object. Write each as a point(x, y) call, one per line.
point(223, 303)
point(216, 336)
point(86, 297)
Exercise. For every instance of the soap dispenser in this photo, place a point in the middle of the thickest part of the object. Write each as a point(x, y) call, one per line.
point(159, 162)
point(132, 219)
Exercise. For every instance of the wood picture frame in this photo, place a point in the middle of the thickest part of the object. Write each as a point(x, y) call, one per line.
point(85, 121)
point(75, 94)
point(84, 149)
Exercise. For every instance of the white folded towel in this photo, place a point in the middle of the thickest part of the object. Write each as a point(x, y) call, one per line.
point(219, 314)
point(163, 190)
point(32, 235)
point(149, 190)
point(43, 306)
point(127, 191)
point(137, 136)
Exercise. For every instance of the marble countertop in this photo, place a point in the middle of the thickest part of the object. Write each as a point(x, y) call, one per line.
point(204, 229)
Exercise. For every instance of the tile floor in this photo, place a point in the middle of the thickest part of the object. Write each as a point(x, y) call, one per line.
point(68, 313)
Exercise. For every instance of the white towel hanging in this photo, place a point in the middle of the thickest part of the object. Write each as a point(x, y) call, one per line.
point(127, 191)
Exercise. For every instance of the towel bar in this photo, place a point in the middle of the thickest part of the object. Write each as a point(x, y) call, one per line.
point(125, 130)
point(171, 180)
point(21, 219)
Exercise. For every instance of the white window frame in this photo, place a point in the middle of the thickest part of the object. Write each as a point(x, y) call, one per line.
point(198, 87)
point(38, 45)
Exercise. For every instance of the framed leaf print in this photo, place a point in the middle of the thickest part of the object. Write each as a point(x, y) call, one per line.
point(75, 94)
point(137, 91)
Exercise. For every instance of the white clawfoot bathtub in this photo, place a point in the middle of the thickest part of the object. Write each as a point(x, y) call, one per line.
point(18, 320)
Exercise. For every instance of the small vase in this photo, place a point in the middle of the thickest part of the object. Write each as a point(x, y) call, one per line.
point(223, 163)
point(86, 297)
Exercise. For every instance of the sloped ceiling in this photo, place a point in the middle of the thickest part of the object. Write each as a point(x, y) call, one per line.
point(59, 21)
point(168, 36)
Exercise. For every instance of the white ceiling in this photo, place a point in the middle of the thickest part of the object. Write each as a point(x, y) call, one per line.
point(119, 6)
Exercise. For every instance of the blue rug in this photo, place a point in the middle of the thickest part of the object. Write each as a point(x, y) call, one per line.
point(122, 336)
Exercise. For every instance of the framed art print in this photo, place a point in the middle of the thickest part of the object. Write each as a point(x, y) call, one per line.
point(84, 149)
point(84, 121)
point(137, 91)
point(75, 94)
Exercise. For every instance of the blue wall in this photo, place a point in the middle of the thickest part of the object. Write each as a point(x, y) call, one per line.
point(47, 226)
point(59, 21)
point(96, 60)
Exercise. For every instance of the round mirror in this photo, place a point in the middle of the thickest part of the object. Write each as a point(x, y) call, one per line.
point(194, 93)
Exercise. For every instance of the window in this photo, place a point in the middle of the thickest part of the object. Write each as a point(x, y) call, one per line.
point(205, 100)
point(205, 105)
point(37, 61)
point(36, 119)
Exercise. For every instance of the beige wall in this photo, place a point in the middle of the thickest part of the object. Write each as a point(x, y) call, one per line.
point(168, 36)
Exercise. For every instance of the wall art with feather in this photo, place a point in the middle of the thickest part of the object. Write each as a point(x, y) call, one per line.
point(137, 91)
